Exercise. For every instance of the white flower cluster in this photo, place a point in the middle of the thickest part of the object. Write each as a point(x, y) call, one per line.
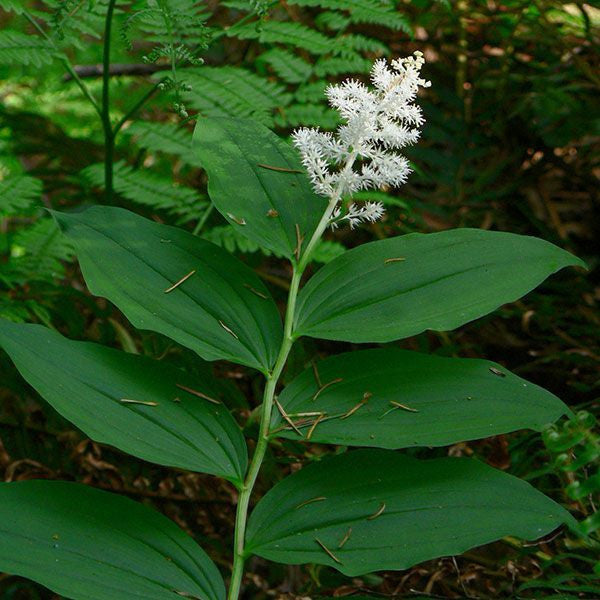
point(378, 122)
point(357, 214)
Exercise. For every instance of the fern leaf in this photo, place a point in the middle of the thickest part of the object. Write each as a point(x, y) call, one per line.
point(332, 20)
point(231, 240)
point(16, 6)
point(335, 65)
point(364, 11)
point(289, 67)
point(284, 32)
point(351, 43)
point(234, 92)
point(36, 253)
point(311, 93)
point(308, 115)
point(164, 137)
point(169, 22)
point(14, 311)
point(28, 50)
point(18, 193)
point(150, 190)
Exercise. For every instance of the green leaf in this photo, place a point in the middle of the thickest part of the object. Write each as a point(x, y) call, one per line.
point(144, 187)
point(87, 544)
point(288, 66)
point(233, 92)
point(22, 49)
point(248, 183)
point(284, 32)
point(445, 400)
point(395, 288)
point(221, 311)
point(18, 193)
point(87, 383)
point(164, 137)
point(400, 510)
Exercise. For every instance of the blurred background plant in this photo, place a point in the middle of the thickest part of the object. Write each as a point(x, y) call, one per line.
point(511, 143)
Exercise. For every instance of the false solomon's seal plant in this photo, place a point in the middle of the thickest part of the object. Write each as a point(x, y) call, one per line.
point(358, 510)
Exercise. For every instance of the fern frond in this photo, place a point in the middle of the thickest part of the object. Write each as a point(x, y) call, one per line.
point(21, 49)
point(364, 11)
point(16, 6)
point(169, 22)
point(234, 92)
point(308, 115)
point(231, 240)
point(375, 13)
point(336, 65)
point(164, 137)
point(36, 253)
point(332, 20)
point(351, 43)
point(150, 190)
point(311, 93)
point(18, 193)
point(284, 32)
point(72, 20)
point(289, 67)
point(13, 311)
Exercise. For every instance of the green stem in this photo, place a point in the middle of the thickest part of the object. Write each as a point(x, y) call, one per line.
point(267, 407)
point(136, 107)
point(262, 442)
point(109, 138)
point(203, 219)
point(67, 64)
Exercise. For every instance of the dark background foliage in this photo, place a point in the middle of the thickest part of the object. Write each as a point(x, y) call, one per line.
point(511, 143)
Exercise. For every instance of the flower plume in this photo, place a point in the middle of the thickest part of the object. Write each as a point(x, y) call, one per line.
point(377, 123)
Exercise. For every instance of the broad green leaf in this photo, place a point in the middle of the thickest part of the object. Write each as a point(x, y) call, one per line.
point(222, 310)
point(395, 288)
point(258, 183)
point(87, 544)
point(438, 400)
point(378, 509)
point(93, 387)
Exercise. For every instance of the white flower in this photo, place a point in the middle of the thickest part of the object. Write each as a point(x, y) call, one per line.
point(378, 122)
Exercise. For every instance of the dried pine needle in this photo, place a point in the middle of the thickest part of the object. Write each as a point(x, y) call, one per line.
point(317, 499)
point(345, 538)
point(228, 330)
point(325, 386)
point(142, 402)
point(256, 292)
point(197, 393)
point(377, 513)
point(178, 283)
point(387, 261)
point(281, 169)
point(403, 406)
point(287, 418)
point(316, 373)
point(328, 551)
point(314, 425)
point(239, 221)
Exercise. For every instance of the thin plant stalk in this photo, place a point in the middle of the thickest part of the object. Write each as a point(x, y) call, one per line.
point(268, 401)
point(109, 134)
